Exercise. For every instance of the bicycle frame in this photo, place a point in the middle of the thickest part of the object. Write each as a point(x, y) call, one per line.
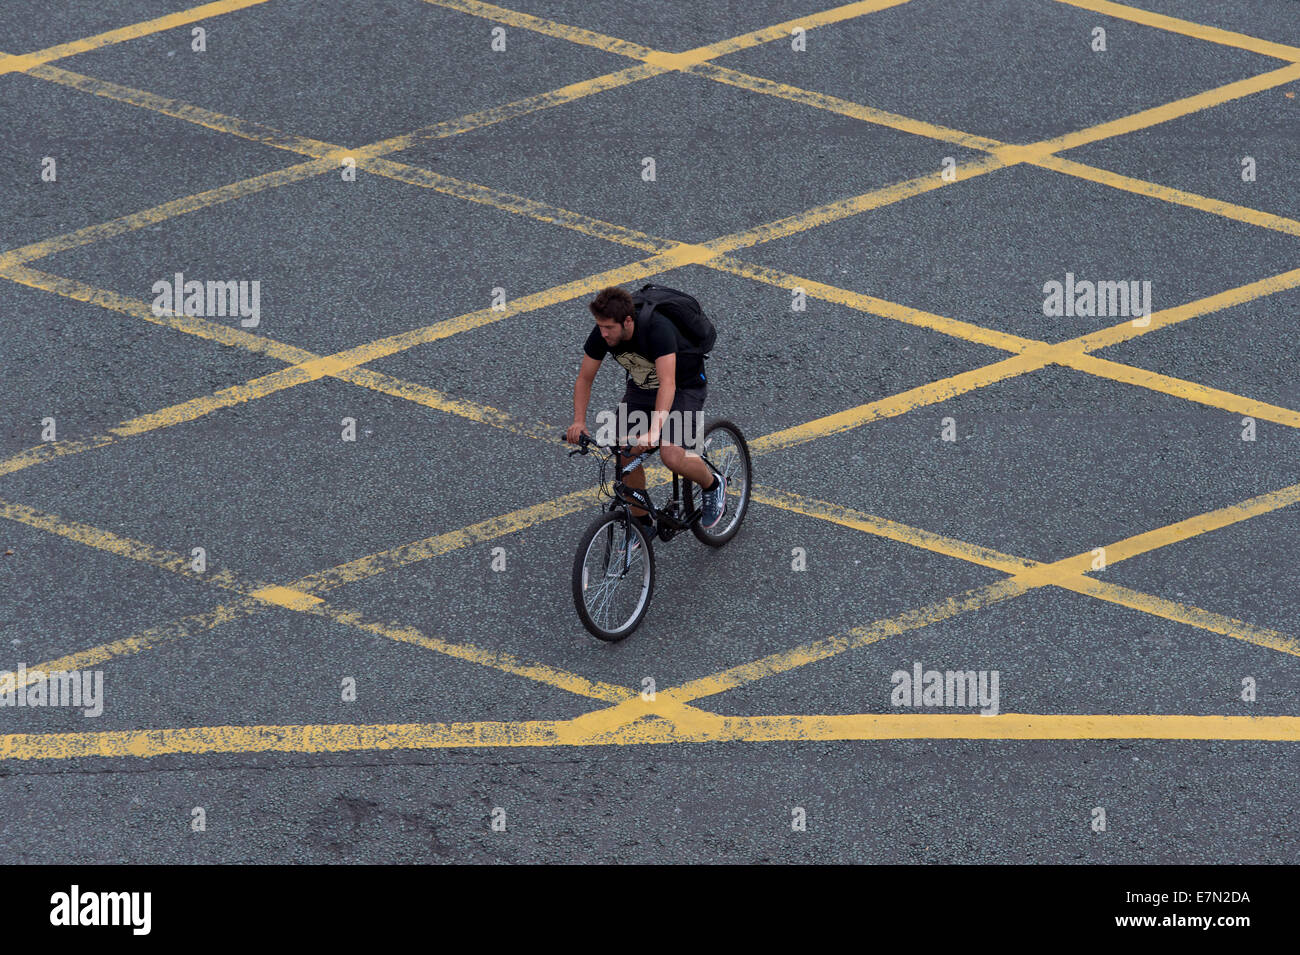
point(635, 497)
point(668, 523)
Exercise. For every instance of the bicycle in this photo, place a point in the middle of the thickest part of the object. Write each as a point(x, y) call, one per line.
point(616, 549)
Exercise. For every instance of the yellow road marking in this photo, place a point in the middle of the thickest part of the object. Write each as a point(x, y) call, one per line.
point(331, 158)
point(663, 59)
point(287, 597)
point(703, 254)
point(111, 543)
point(844, 208)
point(220, 332)
point(1182, 613)
point(615, 725)
point(897, 404)
point(520, 205)
point(1181, 388)
point(291, 597)
point(891, 530)
point(145, 744)
point(1123, 331)
point(144, 640)
point(877, 306)
point(1042, 154)
point(197, 115)
point(1228, 210)
point(1166, 111)
point(1069, 572)
point(160, 213)
point(19, 64)
point(835, 104)
point(1198, 30)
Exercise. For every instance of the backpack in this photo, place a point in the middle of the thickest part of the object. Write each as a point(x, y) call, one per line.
point(682, 310)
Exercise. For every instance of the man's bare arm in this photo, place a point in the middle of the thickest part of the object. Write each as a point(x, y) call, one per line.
point(582, 397)
point(666, 370)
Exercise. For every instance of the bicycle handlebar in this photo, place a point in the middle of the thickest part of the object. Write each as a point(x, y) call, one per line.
point(586, 443)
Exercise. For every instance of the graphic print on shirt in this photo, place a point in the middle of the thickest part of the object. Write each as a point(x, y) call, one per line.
point(641, 369)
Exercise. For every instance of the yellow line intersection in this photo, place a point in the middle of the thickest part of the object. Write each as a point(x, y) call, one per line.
point(668, 719)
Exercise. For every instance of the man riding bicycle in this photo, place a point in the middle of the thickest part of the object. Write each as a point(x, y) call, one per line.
point(662, 377)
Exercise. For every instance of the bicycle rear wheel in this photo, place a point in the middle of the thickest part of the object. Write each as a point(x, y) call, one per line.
point(612, 589)
point(726, 449)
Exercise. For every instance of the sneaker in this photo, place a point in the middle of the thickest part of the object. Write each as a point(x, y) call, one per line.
point(715, 502)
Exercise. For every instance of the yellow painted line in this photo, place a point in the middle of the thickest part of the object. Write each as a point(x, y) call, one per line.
point(223, 333)
point(50, 450)
point(888, 726)
point(440, 401)
point(1028, 575)
point(785, 660)
point(145, 640)
point(844, 107)
point(499, 526)
point(877, 306)
point(1187, 28)
point(891, 530)
point(607, 724)
point(287, 598)
point(335, 738)
point(1182, 613)
point(1181, 388)
point(1141, 187)
point(18, 64)
point(327, 162)
point(497, 114)
point(663, 59)
point(383, 561)
point(1126, 330)
point(305, 367)
point(127, 547)
point(1165, 112)
point(167, 210)
point(219, 122)
point(226, 398)
point(781, 31)
point(1042, 153)
point(1037, 154)
point(654, 63)
point(495, 659)
point(852, 206)
point(1202, 524)
point(520, 205)
point(897, 404)
point(566, 292)
point(291, 597)
point(526, 21)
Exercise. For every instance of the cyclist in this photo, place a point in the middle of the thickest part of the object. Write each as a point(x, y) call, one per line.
point(661, 377)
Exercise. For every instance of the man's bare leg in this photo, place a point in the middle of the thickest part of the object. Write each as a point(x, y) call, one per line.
point(687, 464)
point(635, 479)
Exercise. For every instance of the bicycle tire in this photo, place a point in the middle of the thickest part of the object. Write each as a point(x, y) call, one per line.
point(745, 465)
point(602, 525)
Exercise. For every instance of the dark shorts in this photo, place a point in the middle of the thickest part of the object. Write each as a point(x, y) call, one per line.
point(684, 427)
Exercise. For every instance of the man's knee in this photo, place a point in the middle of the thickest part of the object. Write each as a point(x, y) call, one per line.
point(672, 455)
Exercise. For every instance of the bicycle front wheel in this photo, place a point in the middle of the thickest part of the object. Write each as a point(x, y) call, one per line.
point(612, 582)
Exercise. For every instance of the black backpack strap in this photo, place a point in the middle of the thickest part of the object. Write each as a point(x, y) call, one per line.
point(647, 306)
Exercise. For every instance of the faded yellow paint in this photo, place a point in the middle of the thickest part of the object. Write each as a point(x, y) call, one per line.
point(19, 64)
point(145, 744)
point(1187, 28)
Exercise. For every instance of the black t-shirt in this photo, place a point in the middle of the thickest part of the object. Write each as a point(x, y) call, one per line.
point(651, 339)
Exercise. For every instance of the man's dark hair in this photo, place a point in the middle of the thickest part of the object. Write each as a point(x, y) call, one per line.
point(612, 304)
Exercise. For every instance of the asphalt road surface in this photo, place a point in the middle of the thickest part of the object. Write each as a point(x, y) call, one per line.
point(313, 649)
